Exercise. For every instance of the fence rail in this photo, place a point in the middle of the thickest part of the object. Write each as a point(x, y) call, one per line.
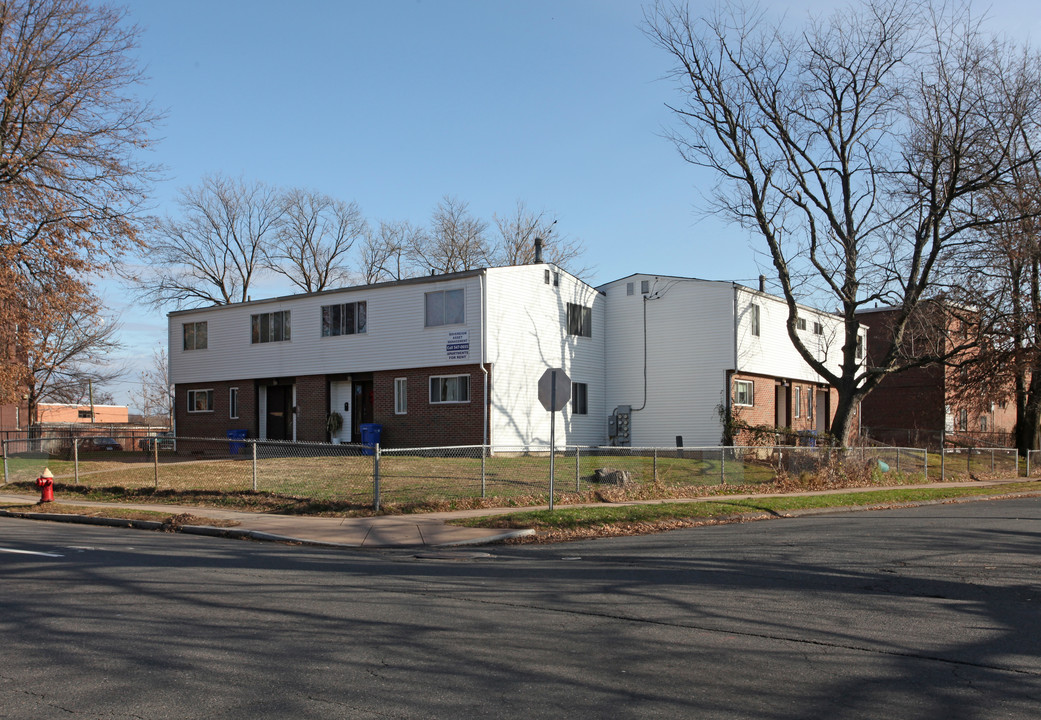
point(359, 475)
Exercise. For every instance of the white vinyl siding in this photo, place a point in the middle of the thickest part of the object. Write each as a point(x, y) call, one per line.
point(690, 349)
point(527, 334)
point(395, 337)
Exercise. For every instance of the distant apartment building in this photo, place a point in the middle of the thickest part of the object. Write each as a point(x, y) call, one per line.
point(920, 405)
point(455, 360)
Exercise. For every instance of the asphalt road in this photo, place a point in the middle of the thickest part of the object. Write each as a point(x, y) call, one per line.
point(918, 613)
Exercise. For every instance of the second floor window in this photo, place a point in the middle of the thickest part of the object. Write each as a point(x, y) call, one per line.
point(270, 327)
point(445, 307)
point(579, 320)
point(195, 336)
point(345, 319)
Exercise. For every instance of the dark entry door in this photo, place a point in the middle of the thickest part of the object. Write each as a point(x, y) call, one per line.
point(280, 412)
point(363, 402)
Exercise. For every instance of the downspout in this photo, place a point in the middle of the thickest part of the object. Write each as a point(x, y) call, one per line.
point(644, 357)
point(484, 338)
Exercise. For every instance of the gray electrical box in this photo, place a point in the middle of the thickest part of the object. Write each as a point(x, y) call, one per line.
point(620, 422)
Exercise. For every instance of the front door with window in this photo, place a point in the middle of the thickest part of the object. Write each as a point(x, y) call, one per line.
point(823, 411)
point(280, 412)
point(340, 400)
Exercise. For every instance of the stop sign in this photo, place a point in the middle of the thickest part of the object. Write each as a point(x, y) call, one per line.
point(554, 379)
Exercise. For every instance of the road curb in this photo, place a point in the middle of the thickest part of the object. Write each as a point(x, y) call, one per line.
point(232, 533)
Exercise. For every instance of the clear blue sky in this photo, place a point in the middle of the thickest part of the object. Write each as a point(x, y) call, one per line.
point(396, 103)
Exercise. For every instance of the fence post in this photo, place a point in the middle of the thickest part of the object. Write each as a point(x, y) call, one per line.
point(943, 460)
point(484, 449)
point(925, 464)
point(992, 460)
point(155, 460)
point(722, 465)
point(578, 486)
point(7, 480)
point(376, 477)
point(1028, 464)
point(898, 459)
point(253, 445)
point(654, 466)
point(75, 461)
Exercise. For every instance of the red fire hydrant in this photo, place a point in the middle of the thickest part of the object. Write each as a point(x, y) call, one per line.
point(46, 484)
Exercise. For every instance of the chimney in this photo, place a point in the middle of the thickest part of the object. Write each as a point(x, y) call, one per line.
point(762, 283)
point(538, 250)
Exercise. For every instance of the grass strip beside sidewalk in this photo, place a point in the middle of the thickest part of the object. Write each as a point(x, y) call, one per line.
point(567, 522)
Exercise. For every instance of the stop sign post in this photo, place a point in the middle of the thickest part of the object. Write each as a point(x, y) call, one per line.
point(554, 393)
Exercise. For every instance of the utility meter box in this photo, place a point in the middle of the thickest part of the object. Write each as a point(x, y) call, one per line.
point(620, 423)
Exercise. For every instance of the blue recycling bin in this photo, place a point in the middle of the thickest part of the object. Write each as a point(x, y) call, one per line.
point(236, 447)
point(370, 437)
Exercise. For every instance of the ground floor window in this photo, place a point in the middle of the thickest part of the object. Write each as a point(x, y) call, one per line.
point(200, 401)
point(400, 396)
point(450, 389)
point(579, 398)
point(233, 403)
point(744, 392)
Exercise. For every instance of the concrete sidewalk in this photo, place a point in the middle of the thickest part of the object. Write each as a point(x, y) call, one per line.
point(383, 531)
point(427, 529)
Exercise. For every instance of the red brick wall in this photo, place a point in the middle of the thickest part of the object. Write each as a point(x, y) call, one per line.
point(429, 424)
point(764, 410)
point(425, 424)
point(218, 422)
point(312, 408)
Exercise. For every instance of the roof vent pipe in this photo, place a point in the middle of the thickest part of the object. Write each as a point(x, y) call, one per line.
point(762, 283)
point(538, 250)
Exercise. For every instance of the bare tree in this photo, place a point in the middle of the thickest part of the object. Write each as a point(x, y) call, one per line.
point(213, 252)
point(455, 242)
point(857, 149)
point(1002, 284)
point(313, 239)
point(155, 397)
point(71, 175)
point(67, 347)
point(516, 241)
point(384, 252)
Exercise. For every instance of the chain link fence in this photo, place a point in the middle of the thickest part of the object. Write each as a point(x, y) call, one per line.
point(359, 475)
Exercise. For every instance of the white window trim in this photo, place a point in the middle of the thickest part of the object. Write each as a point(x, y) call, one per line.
point(233, 405)
point(751, 387)
point(191, 396)
point(797, 400)
point(449, 402)
point(401, 396)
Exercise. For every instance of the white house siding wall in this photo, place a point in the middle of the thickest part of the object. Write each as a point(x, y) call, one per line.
point(772, 352)
point(395, 335)
point(690, 347)
point(527, 333)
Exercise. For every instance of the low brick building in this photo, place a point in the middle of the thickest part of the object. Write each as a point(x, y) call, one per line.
point(919, 406)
